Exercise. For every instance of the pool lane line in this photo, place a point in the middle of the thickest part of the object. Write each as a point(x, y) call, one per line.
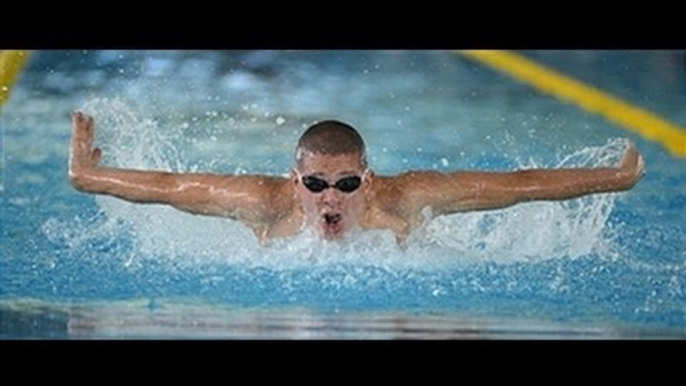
point(11, 63)
point(647, 124)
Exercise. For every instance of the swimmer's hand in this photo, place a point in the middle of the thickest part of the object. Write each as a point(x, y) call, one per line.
point(631, 167)
point(82, 156)
point(258, 201)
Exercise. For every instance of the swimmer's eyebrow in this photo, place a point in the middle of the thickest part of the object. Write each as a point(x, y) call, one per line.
point(347, 173)
point(339, 174)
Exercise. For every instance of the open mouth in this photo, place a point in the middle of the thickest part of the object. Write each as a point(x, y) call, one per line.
point(332, 218)
point(332, 225)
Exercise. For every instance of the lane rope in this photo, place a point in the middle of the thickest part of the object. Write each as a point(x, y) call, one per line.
point(11, 63)
point(645, 123)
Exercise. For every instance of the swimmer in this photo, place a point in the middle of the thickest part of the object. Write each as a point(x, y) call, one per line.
point(332, 189)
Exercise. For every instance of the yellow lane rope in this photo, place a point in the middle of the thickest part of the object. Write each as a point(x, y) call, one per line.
point(11, 63)
point(628, 116)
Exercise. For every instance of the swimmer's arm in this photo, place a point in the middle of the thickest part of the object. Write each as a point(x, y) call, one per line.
point(466, 191)
point(244, 198)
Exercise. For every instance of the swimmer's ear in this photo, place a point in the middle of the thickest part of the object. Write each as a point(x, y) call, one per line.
point(368, 179)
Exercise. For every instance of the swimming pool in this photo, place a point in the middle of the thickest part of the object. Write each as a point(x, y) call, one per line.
point(78, 266)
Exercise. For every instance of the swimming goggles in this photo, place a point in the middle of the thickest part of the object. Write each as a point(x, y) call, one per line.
point(345, 184)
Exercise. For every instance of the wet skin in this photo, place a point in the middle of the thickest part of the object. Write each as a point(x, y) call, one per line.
point(282, 206)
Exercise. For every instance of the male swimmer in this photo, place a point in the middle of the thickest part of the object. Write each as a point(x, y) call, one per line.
point(332, 189)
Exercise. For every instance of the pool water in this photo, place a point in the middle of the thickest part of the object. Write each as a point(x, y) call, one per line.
point(77, 266)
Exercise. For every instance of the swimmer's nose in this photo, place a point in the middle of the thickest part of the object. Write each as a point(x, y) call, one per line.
point(331, 196)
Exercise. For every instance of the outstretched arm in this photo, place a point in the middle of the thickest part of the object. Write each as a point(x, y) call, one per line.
point(464, 191)
point(245, 198)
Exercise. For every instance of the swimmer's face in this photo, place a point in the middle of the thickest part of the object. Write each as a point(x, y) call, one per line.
point(336, 209)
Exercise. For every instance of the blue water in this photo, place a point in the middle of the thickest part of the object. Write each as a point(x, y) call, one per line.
point(614, 260)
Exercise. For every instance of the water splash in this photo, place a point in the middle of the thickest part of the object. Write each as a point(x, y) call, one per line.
point(536, 231)
point(529, 232)
point(131, 142)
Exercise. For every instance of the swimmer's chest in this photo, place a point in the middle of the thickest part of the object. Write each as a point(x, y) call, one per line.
point(377, 218)
point(289, 225)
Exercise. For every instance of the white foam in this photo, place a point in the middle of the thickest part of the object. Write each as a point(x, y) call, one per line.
point(531, 232)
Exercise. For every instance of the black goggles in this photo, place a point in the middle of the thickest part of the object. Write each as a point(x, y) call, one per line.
point(345, 185)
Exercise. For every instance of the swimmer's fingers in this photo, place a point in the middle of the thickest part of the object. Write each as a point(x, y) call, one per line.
point(632, 162)
point(630, 157)
point(82, 129)
point(90, 132)
point(78, 137)
point(641, 166)
point(82, 140)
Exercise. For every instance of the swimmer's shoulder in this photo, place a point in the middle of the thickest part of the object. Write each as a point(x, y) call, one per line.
point(267, 200)
point(268, 193)
point(391, 206)
point(283, 211)
point(387, 192)
point(280, 193)
point(397, 186)
point(403, 193)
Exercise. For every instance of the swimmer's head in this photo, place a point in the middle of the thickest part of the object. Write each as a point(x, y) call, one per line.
point(332, 138)
point(331, 177)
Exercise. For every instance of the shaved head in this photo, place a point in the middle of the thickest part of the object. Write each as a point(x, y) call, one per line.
point(330, 138)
